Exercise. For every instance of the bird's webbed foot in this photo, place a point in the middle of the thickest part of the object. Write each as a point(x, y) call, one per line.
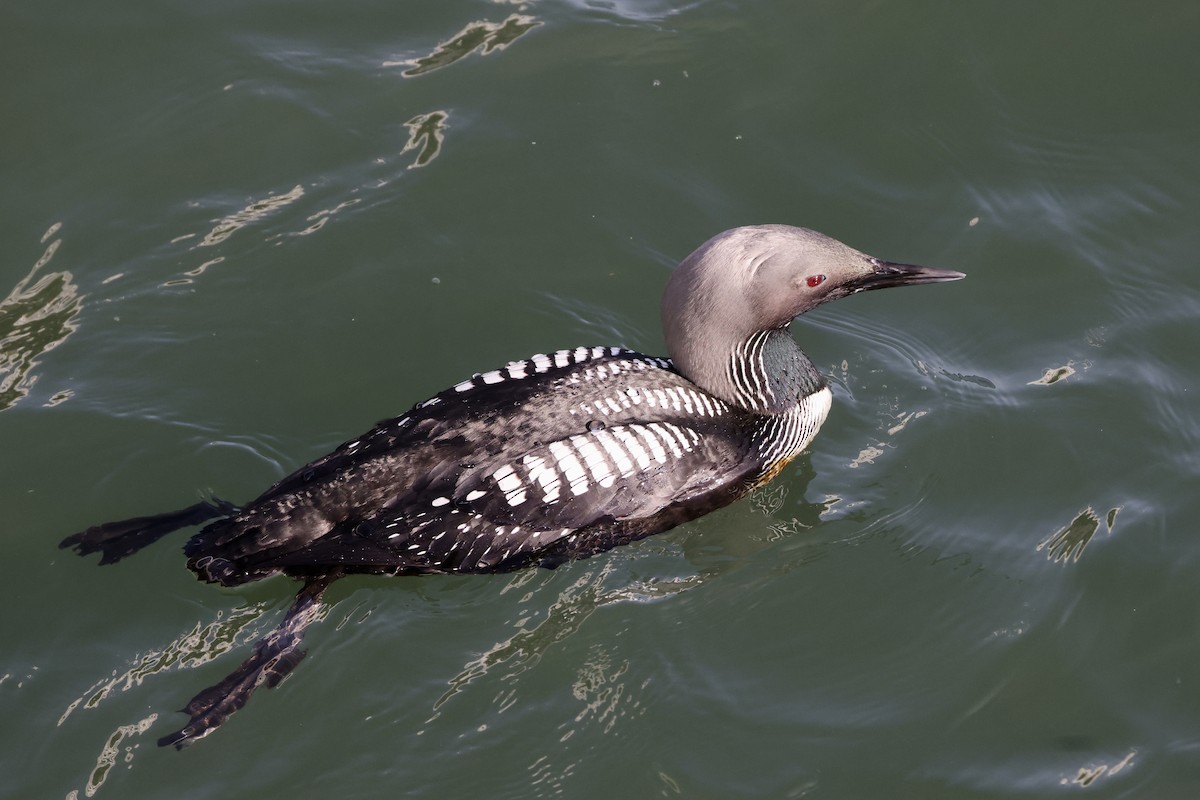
point(275, 655)
point(116, 540)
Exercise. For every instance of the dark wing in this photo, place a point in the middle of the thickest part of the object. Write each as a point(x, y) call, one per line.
point(489, 474)
point(532, 500)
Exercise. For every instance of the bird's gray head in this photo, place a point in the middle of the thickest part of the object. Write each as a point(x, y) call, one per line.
point(749, 280)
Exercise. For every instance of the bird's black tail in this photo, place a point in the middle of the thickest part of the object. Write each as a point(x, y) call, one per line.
point(115, 540)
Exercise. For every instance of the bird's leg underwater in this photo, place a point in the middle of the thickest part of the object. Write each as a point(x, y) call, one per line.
point(115, 540)
point(274, 656)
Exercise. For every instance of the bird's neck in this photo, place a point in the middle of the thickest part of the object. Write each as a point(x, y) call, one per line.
point(767, 373)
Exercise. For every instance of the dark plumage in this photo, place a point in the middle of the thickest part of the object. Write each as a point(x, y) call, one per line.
point(556, 457)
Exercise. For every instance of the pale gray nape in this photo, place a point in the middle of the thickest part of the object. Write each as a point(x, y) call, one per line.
point(746, 281)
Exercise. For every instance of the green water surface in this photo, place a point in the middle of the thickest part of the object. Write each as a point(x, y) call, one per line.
point(237, 234)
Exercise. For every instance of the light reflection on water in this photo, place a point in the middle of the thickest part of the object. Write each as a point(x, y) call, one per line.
point(1067, 544)
point(200, 645)
point(38, 314)
point(480, 37)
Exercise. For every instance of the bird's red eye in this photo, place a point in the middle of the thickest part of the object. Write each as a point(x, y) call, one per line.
point(814, 281)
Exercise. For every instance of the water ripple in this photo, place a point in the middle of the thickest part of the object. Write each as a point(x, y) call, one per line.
point(38, 315)
point(480, 37)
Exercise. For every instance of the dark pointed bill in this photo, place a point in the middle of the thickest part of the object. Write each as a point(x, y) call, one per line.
point(889, 273)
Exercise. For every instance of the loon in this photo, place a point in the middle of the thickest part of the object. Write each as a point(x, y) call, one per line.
point(548, 459)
